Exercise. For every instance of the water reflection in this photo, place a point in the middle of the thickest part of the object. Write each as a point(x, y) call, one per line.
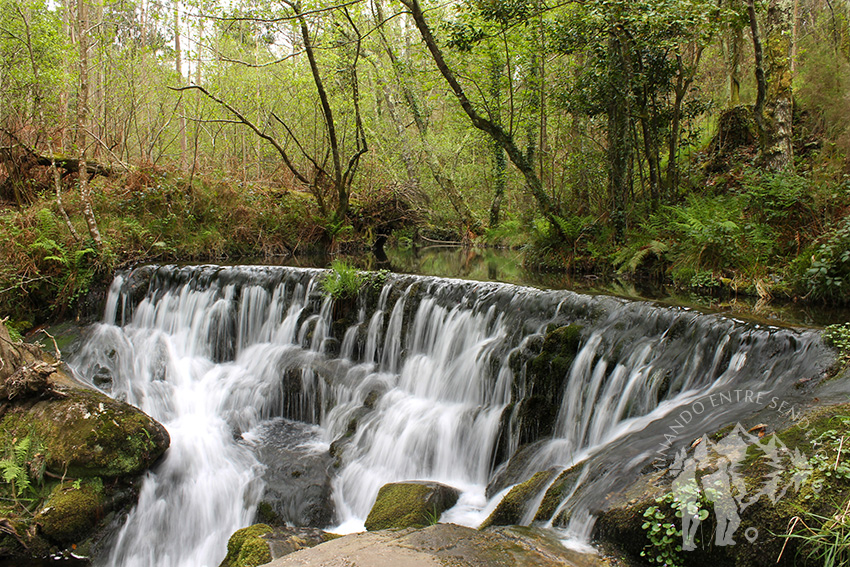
point(503, 265)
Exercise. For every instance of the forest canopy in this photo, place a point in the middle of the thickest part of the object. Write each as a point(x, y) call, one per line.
point(700, 142)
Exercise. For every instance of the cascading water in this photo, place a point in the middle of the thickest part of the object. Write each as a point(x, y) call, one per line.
point(424, 378)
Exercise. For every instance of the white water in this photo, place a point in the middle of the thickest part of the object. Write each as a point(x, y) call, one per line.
point(212, 353)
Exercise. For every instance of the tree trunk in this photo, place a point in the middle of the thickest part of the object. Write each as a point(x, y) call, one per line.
point(619, 128)
point(761, 81)
point(178, 66)
point(437, 171)
point(733, 53)
point(82, 122)
point(778, 150)
point(499, 162)
point(501, 137)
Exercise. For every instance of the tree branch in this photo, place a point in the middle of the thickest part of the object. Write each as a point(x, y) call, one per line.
point(250, 125)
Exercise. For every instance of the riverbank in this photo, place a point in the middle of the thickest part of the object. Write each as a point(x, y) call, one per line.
point(760, 247)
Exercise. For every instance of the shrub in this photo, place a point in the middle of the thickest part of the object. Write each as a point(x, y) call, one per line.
point(829, 276)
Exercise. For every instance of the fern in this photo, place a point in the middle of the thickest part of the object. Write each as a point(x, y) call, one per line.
point(22, 465)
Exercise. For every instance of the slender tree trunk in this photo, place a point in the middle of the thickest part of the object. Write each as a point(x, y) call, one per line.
point(499, 162)
point(619, 128)
point(732, 42)
point(498, 134)
point(178, 66)
point(57, 185)
point(778, 108)
point(327, 113)
point(407, 159)
point(761, 81)
point(437, 171)
point(684, 78)
point(82, 121)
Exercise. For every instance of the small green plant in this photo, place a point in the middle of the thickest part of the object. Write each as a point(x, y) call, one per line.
point(379, 279)
point(828, 543)
point(829, 275)
point(665, 538)
point(343, 280)
point(664, 535)
point(14, 333)
point(432, 516)
point(838, 336)
point(704, 280)
point(23, 465)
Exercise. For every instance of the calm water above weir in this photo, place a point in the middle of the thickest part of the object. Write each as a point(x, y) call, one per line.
point(420, 378)
point(503, 265)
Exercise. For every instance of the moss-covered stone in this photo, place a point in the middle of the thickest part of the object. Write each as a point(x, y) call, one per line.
point(259, 544)
point(556, 492)
point(88, 434)
point(247, 548)
point(410, 504)
point(70, 432)
point(545, 377)
point(513, 506)
point(70, 512)
point(824, 489)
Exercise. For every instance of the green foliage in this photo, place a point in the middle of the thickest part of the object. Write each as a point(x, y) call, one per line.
point(829, 276)
point(828, 542)
point(778, 198)
point(510, 232)
point(23, 465)
point(14, 332)
point(665, 537)
point(838, 336)
point(629, 260)
point(343, 281)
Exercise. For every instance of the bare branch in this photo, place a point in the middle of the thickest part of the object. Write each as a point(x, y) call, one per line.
point(250, 125)
point(281, 18)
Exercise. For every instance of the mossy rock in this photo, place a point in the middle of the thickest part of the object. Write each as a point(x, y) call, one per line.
point(412, 504)
point(513, 506)
point(556, 492)
point(71, 512)
point(759, 538)
point(247, 548)
point(546, 374)
point(259, 544)
point(87, 434)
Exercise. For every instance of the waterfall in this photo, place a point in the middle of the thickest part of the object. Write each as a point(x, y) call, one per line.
point(420, 378)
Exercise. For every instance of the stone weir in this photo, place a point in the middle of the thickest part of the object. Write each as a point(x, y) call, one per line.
point(282, 399)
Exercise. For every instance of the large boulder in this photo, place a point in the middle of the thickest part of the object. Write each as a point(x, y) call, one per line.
point(782, 498)
point(410, 504)
point(260, 543)
point(88, 434)
point(440, 545)
point(72, 454)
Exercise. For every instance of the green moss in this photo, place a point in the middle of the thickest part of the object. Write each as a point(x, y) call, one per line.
point(70, 513)
point(255, 551)
point(87, 434)
point(555, 493)
point(512, 507)
point(409, 505)
point(267, 515)
point(247, 548)
point(547, 372)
